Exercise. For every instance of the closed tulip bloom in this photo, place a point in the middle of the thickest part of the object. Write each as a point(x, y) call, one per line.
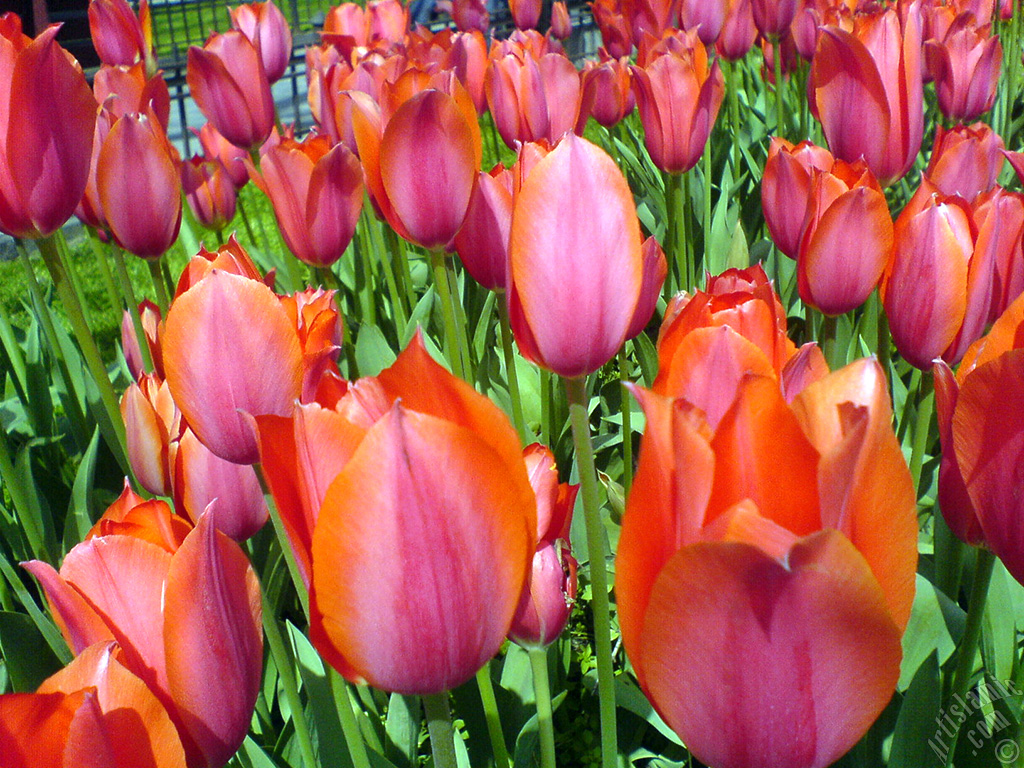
point(348, 20)
point(47, 117)
point(966, 67)
point(139, 186)
point(576, 267)
point(655, 270)
point(773, 17)
point(471, 16)
point(786, 188)
point(525, 13)
point(550, 590)
point(866, 89)
point(127, 89)
point(999, 216)
point(707, 18)
point(422, 543)
point(227, 154)
point(966, 160)
point(268, 30)
point(317, 194)
point(228, 82)
point(209, 192)
point(561, 24)
point(678, 96)
point(387, 20)
point(482, 243)
point(202, 658)
point(738, 33)
point(151, 422)
point(230, 257)
point(768, 555)
point(120, 37)
point(615, 28)
point(150, 314)
point(607, 92)
point(983, 420)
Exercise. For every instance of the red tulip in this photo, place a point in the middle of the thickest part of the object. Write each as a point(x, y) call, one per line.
point(120, 37)
point(966, 67)
point(317, 194)
point(268, 30)
point(228, 82)
point(773, 17)
point(607, 93)
point(738, 33)
point(202, 659)
point(615, 28)
point(980, 426)
point(678, 97)
point(422, 543)
point(132, 91)
point(150, 314)
point(471, 16)
point(550, 590)
point(467, 57)
point(483, 241)
point(865, 88)
point(768, 555)
point(525, 13)
point(47, 116)
point(139, 186)
point(387, 20)
point(786, 188)
point(576, 267)
point(966, 160)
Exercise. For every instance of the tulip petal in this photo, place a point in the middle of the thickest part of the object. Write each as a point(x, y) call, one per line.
point(756, 663)
point(80, 624)
point(34, 727)
point(420, 555)
point(215, 643)
point(217, 339)
point(988, 436)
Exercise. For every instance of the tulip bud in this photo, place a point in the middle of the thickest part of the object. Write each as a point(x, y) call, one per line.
point(268, 30)
point(965, 161)
point(966, 67)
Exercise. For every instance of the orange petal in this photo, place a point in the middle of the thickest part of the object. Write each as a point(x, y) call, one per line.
point(34, 727)
point(419, 556)
point(80, 624)
point(754, 663)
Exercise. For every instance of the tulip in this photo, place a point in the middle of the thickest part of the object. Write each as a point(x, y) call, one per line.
point(227, 154)
point(467, 57)
point(607, 93)
point(965, 66)
point(707, 18)
point(678, 97)
point(482, 243)
point(230, 257)
point(132, 91)
point(561, 24)
point(865, 88)
point(738, 32)
point(655, 270)
point(209, 191)
point(980, 425)
point(965, 161)
point(773, 17)
point(348, 20)
point(532, 97)
point(202, 658)
point(786, 188)
point(422, 542)
point(576, 268)
point(47, 117)
point(999, 216)
point(150, 315)
point(317, 194)
point(387, 21)
point(228, 82)
point(550, 591)
point(268, 30)
point(119, 36)
point(768, 554)
point(471, 16)
point(525, 13)
point(139, 186)
point(615, 28)
point(150, 419)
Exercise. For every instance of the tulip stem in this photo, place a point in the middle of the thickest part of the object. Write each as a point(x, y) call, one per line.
point(827, 339)
point(675, 235)
point(687, 240)
point(925, 407)
point(397, 303)
point(975, 612)
point(542, 695)
point(777, 63)
point(133, 309)
point(439, 725)
point(510, 372)
point(286, 673)
point(734, 116)
point(108, 279)
point(546, 408)
point(347, 716)
point(707, 209)
point(452, 348)
point(364, 262)
point(625, 371)
point(115, 427)
point(949, 555)
point(492, 716)
point(883, 346)
point(159, 285)
point(576, 389)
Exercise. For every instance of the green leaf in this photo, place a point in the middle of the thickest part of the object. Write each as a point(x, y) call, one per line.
point(916, 743)
point(24, 650)
point(80, 512)
point(631, 698)
point(373, 353)
point(251, 755)
point(926, 633)
point(420, 317)
point(403, 727)
point(999, 639)
point(648, 357)
point(46, 627)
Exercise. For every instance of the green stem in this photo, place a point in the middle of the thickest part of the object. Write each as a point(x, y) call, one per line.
point(439, 725)
point(159, 286)
point(493, 716)
point(73, 308)
point(245, 222)
point(286, 670)
point(625, 371)
point(510, 371)
point(542, 694)
point(827, 340)
point(97, 247)
point(675, 236)
point(461, 323)
point(734, 117)
point(546, 408)
point(687, 237)
point(346, 714)
point(707, 208)
point(451, 344)
point(949, 554)
point(883, 346)
point(386, 261)
point(364, 261)
point(133, 309)
point(777, 62)
point(577, 394)
point(403, 273)
point(975, 612)
point(922, 425)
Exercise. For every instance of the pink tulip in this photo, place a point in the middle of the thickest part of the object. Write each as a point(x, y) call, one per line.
point(120, 37)
point(607, 93)
point(482, 243)
point(268, 30)
point(209, 191)
point(965, 161)
point(966, 67)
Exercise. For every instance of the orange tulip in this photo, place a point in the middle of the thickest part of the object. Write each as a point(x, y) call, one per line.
point(202, 659)
point(317, 194)
point(150, 313)
point(786, 188)
point(767, 554)
point(150, 425)
point(421, 545)
point(228, 82)
point(980, 426)
point(227, 154)
point(678, 96)
point(47, 117)
point(576, 268)
point(866, 89)
point(561, 24)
